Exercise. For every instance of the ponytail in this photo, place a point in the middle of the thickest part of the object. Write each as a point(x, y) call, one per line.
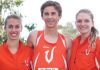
point(93, 36)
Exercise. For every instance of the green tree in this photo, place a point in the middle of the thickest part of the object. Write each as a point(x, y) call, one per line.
point(5, 6)
point(9, 5)
point(68, 29)
point(30, 27)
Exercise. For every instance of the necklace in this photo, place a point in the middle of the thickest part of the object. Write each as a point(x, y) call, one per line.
point(87, 51)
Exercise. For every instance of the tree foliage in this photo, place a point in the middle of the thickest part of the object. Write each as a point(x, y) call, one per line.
point(68, 29)
point(30, 27)
point(9, 5)
point(5, 6)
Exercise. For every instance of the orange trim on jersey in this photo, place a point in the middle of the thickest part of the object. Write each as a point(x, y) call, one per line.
point(19, 61)
point(83, 56)
point(50, 55)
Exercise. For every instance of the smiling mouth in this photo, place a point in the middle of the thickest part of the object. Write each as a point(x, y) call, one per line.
point(82, 28)
point(13, 34)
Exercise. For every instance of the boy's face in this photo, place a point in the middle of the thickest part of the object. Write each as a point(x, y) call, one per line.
point(50, 16)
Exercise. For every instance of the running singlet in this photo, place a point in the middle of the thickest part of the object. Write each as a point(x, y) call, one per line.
point(21, 60)
point(49, 56)
point(84, 57)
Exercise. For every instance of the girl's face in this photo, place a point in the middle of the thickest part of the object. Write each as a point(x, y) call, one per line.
point(13, 28)
point(84, 23)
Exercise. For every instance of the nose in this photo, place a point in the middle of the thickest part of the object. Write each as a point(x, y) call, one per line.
point(13, 29)
point(49, 16)
point(82, 23)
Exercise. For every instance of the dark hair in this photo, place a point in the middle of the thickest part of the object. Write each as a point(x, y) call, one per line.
point(55, 4)
point(94, 32)
point(11, 16)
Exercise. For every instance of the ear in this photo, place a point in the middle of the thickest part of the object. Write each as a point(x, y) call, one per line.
point(42, 17)
point(75, 22)
point(4, 28)
point(93, 23)
point(60, 17)
point(21, 28)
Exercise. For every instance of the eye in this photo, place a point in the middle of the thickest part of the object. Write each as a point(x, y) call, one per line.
point(86, 21)
point(46, 13)
point(53, 13)
point(79, 21)
point(17, 26)
point(10, 26)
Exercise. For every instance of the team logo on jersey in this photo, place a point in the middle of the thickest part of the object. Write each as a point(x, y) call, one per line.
point(48, 60)
point(27, 62)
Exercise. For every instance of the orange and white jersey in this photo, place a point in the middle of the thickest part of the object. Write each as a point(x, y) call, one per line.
point(21, 60)
point(84, 57)
point(50, 56)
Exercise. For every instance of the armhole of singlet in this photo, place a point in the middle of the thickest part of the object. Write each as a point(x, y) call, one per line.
point(37, 36)
point(63, 41)
point(97, 44)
